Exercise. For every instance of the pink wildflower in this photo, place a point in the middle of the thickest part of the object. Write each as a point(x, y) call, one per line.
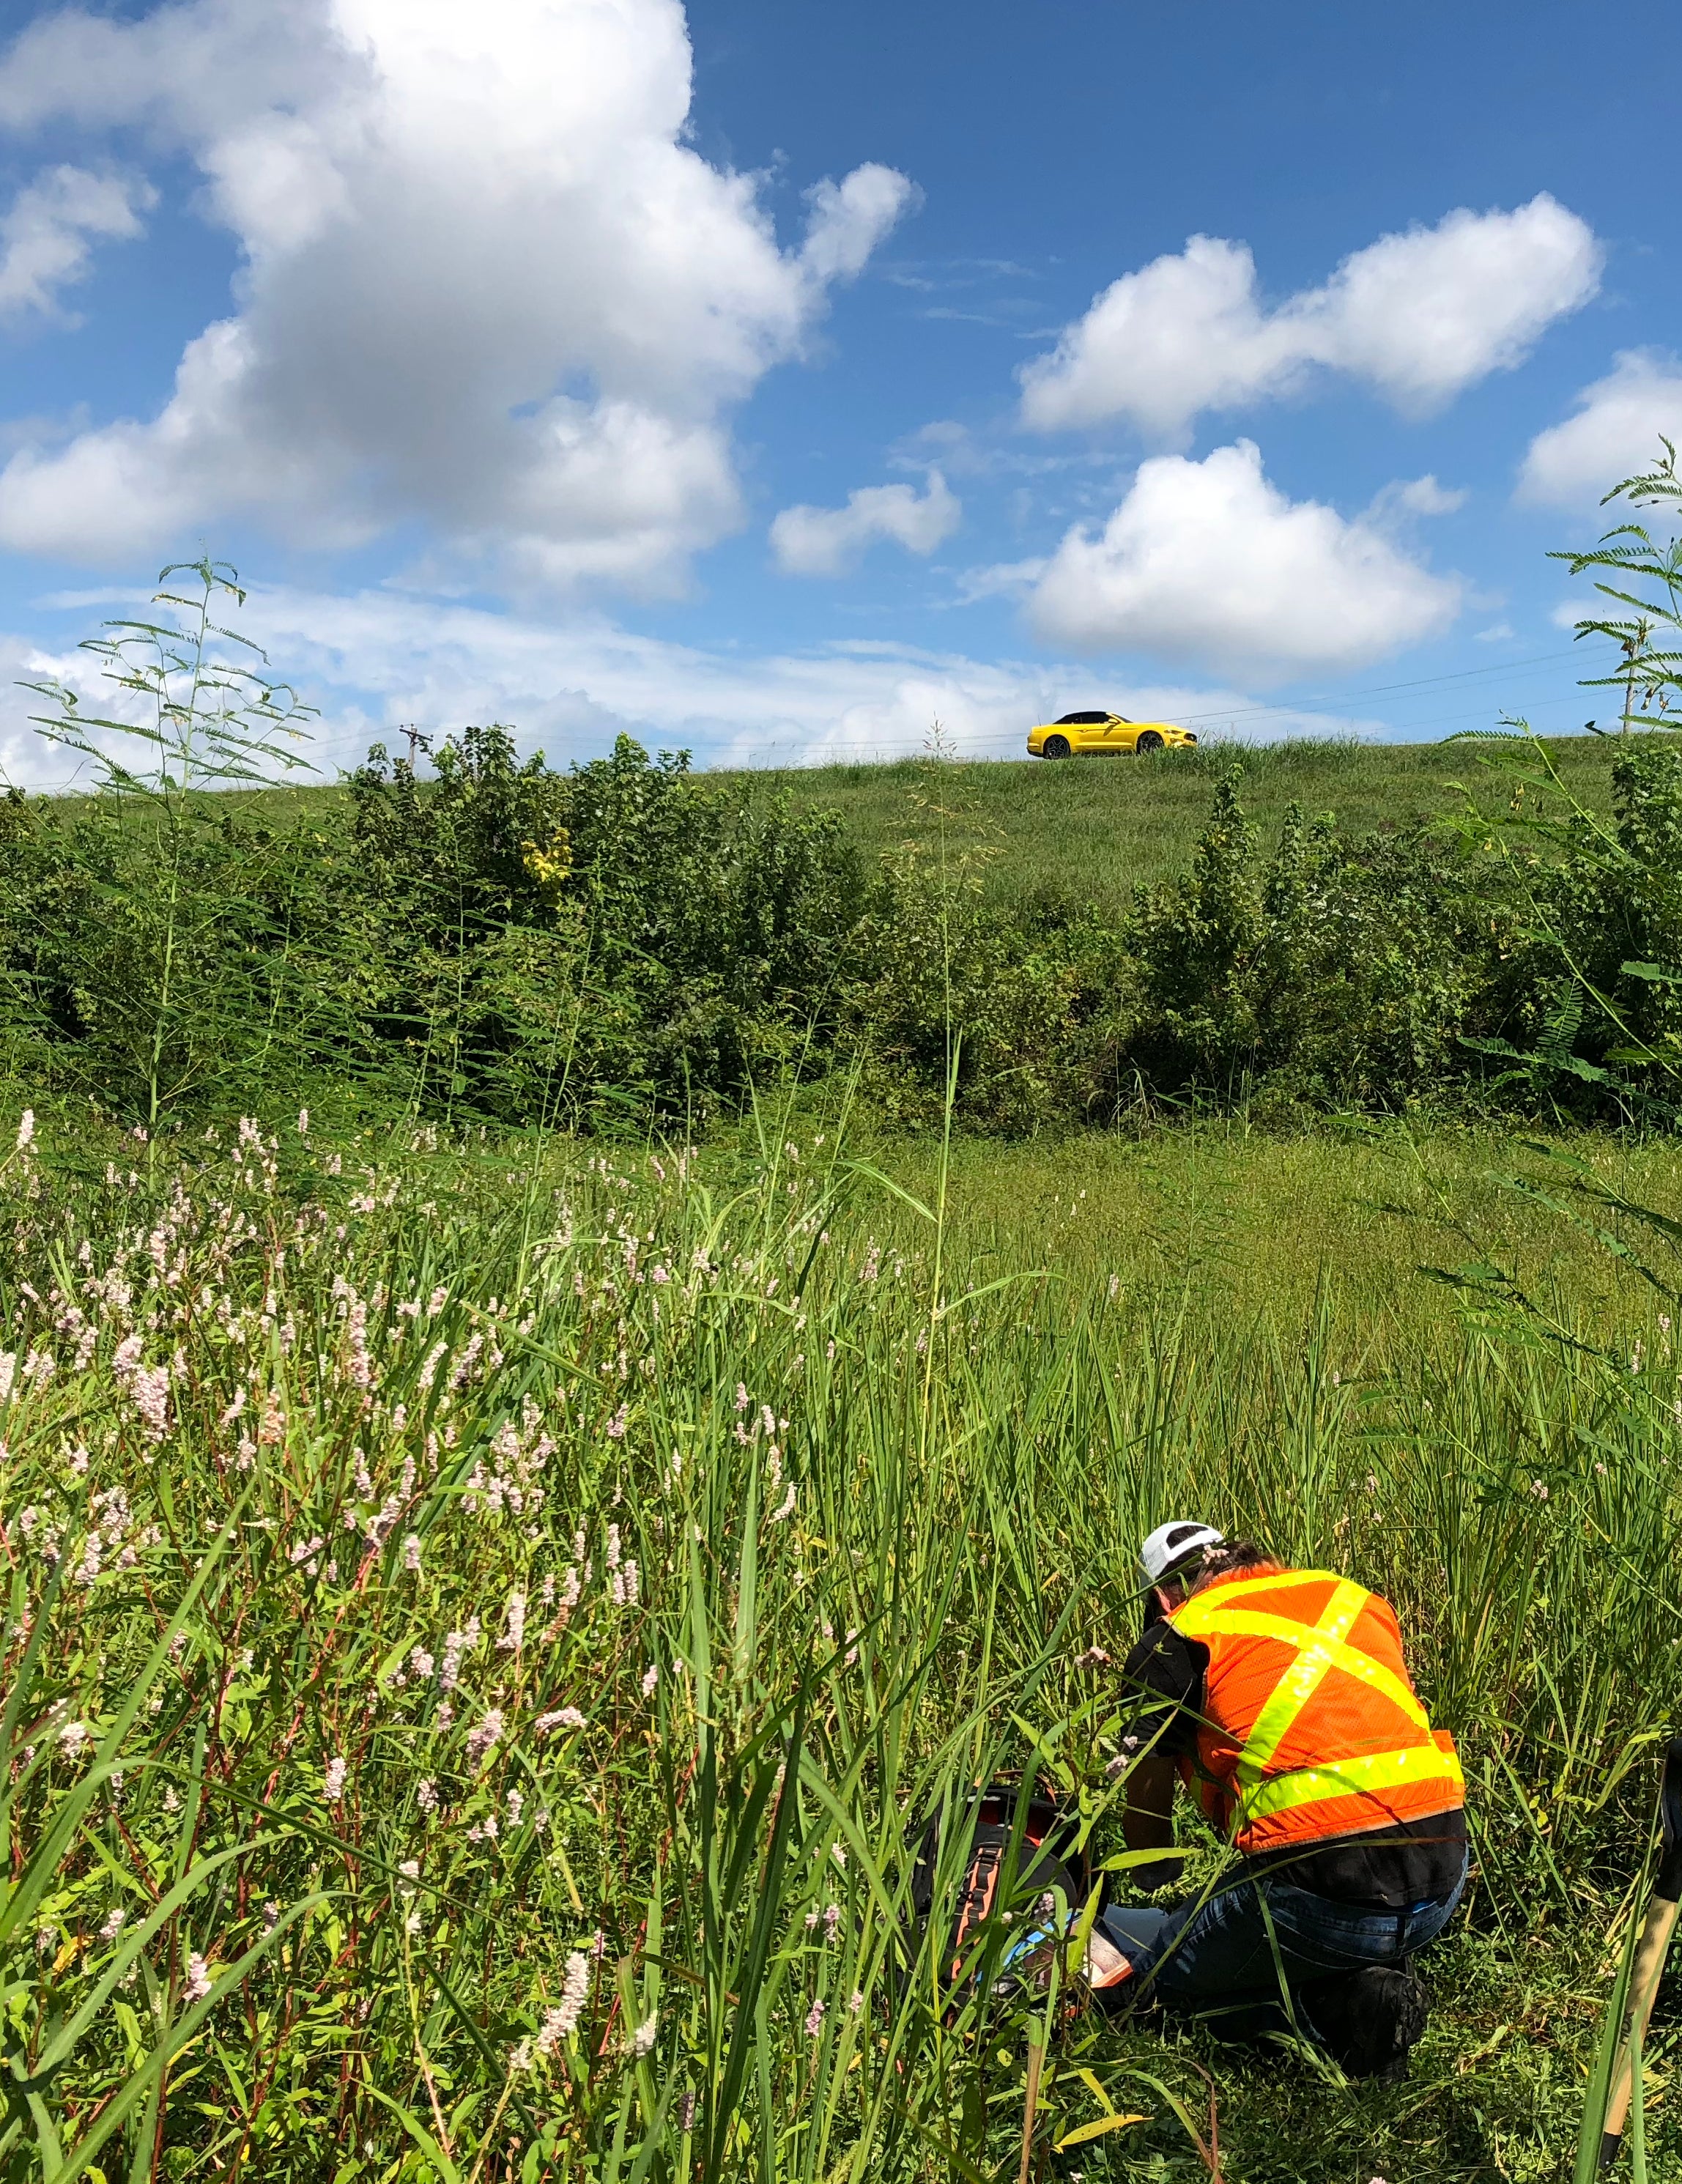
point(574, 1992)
point(149, 1392)
point(483, 1736)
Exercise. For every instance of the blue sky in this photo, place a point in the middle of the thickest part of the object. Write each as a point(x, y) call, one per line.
point(773, 379)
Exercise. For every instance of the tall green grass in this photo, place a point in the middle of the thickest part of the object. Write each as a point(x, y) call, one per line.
point(493, 1623)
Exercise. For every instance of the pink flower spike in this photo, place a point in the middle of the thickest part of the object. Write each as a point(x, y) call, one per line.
point(483, 1736)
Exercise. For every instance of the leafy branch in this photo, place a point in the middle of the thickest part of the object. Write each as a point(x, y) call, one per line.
point(1650, 636)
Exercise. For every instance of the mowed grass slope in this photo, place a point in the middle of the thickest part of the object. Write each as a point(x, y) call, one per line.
point(1096, 828)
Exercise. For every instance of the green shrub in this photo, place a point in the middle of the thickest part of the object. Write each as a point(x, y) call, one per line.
point(624, 935)
point(154, 1001)
point(1343, 973)
point(624, 941)
point(1617, 901)
point(1021, 1005)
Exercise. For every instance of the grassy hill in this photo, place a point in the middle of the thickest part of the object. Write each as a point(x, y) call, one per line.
point(1095, 826)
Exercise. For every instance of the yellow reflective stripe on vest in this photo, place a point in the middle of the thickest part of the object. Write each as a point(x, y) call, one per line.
point(1253, 1624)
point(1319, 1647)
point(1316, 1651)
point(1374, 1772)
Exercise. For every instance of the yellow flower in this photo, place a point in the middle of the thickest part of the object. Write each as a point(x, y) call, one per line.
point(551, 866)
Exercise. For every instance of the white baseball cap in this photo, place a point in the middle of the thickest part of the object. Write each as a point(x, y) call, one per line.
point(1172, 1542)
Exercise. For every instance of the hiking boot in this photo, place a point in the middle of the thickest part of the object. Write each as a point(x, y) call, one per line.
point(1371, 2021)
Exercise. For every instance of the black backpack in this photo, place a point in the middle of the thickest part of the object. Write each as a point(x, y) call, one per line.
point(1019, 1892)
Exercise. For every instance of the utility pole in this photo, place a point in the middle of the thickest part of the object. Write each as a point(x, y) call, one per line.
point(1633, 647)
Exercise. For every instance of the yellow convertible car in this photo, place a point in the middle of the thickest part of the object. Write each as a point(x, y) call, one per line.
point(1104, 732)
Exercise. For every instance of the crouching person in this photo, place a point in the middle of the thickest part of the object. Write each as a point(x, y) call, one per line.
point(1281, 1698)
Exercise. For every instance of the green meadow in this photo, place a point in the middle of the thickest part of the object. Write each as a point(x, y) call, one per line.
point(486, 1622)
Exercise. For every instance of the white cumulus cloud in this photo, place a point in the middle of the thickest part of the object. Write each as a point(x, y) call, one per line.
point(850, 217)
point(47, 232)
point(826, 542)
point(1407, 498)
point(1209, 562)
point(488, 288)
point(1419, 316)
point(1615, 432)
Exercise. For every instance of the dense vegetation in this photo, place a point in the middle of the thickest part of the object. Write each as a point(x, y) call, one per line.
point(504, 944)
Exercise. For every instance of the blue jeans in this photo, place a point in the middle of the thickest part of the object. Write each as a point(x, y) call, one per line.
point(1217, 1958)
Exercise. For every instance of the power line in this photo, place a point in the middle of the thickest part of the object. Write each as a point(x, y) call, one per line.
point(1389, 689)
point(1006, 737)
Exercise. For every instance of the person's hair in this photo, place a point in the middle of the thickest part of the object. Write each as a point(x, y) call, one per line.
point(1205, 1564)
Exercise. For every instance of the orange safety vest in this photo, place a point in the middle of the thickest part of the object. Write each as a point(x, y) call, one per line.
point(1311, 1728)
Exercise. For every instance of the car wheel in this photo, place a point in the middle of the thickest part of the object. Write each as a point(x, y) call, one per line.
point(1150, 741)
point(1057, 747)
